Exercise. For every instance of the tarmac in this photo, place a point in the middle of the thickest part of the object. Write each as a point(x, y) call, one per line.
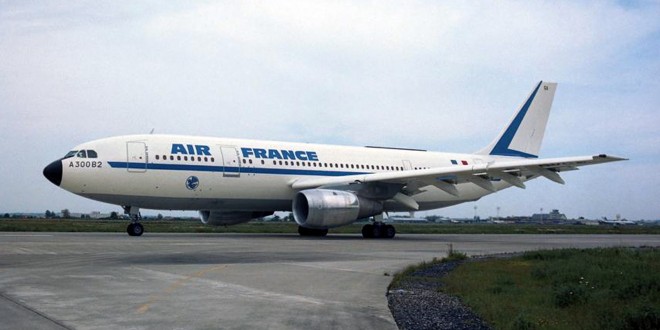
point(226, 281)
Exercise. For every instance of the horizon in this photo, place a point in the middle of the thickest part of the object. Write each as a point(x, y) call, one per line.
point(435, 76)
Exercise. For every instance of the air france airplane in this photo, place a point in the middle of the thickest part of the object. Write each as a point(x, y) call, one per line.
point(231, 181)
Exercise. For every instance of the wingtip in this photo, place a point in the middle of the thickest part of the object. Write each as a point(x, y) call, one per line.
point(610, 157)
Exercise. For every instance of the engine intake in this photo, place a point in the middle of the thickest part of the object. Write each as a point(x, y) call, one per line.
point(325, 208)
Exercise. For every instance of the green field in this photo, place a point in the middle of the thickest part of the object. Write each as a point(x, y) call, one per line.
point(188, 226)
point(609, 288)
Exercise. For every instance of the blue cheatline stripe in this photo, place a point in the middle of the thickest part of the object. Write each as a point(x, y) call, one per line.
point(502, 146)
point(229, 169)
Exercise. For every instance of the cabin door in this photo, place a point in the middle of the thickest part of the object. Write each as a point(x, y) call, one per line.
point(230, 162)
point(136, 157)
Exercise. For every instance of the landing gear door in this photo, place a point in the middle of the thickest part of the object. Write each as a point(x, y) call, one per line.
point(136, 153)
point(230, 161)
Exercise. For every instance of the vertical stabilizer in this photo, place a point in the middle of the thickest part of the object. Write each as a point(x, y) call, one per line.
point(524, 134)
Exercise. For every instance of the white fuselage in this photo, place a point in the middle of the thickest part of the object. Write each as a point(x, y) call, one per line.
point(200, 173)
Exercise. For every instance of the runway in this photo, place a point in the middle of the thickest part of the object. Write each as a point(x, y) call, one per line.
point(202, 281)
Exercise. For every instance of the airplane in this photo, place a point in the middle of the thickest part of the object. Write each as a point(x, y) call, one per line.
point(231, 181)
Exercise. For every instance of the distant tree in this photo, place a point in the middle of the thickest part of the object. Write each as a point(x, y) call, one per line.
point(159, 217)
point(6, 215)
point(49, 214)
point(114, 215)
point(66, 214)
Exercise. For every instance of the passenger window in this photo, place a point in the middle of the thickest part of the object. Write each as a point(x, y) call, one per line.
point(157, 157)
point(91, 154)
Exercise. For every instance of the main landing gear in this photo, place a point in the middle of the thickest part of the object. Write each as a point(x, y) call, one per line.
point(378, 229)
point(135, 228)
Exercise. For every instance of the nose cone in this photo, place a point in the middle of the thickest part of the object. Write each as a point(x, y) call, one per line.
point(53, 172)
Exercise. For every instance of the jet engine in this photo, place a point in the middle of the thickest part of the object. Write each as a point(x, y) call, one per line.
point(324, 208)
point(224, 218)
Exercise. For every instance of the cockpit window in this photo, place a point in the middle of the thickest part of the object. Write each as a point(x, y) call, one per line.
point(82, 154)
point(91, 154)
point(71, 154)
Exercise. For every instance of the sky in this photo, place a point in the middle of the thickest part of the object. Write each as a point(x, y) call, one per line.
point(435, 75)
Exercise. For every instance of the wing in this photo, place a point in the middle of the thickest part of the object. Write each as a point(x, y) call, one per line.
point(408, 183)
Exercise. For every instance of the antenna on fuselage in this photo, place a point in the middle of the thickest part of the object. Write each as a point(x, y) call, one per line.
point(152, 131)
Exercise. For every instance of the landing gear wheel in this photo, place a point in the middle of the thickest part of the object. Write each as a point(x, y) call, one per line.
point(135, 229)
point(389, 231)
point(312, 232)
point(378, 230)
point(367, 231)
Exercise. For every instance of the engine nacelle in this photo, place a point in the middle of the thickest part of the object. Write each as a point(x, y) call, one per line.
point(224, 218)
point(324, 208)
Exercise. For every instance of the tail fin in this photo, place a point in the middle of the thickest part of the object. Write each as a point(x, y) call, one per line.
point(524, 134)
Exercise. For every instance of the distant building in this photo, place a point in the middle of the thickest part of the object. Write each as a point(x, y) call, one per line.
point(404, 219)
point(553, 217)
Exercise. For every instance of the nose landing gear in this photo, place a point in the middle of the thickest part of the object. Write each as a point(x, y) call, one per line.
point(135, 228)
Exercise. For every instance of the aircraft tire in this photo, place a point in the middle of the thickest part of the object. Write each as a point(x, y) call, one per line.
point(377, 231)
point(389, 231)
point(367, 231)
point(135, 229)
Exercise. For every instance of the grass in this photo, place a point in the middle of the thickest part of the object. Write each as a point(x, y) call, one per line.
point(186, 226)
point(613, 288)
